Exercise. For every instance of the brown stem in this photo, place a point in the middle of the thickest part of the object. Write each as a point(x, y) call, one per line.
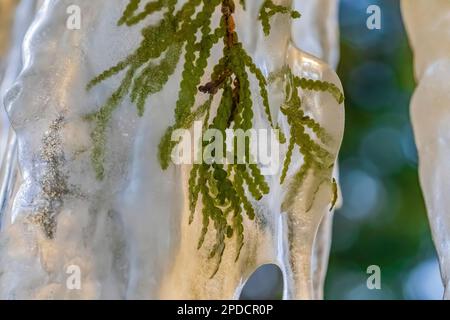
point(228, 9)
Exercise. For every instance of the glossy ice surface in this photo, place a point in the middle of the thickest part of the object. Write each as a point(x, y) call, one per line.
point(129, 233)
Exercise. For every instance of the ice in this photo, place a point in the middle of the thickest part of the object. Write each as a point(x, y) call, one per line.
point(427, 24)
point(317, 33)
point(6, 20)
point(129, 234)
point(22, 16)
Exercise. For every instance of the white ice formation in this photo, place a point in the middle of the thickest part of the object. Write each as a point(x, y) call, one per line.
point(428, 24)
point(129, 234)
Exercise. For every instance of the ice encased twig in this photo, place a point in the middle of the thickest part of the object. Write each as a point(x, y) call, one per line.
point(129, 233)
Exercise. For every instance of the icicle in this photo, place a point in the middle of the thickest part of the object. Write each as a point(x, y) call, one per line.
point(129, 234)
point(427, 24)
point(318, 34)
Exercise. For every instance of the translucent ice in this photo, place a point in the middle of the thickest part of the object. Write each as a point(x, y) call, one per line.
point(129, 234)
point(6, 17)
point(428, 25)
point(317, 33)
point(23, 15)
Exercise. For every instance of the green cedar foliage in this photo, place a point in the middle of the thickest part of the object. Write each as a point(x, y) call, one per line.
point(188, 31)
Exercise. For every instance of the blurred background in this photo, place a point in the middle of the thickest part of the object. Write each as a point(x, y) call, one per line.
point(383, 220)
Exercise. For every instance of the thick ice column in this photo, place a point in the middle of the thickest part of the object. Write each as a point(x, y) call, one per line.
point(56, 193)
point(428, 25)
point(129, 234)
point(286, 232)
